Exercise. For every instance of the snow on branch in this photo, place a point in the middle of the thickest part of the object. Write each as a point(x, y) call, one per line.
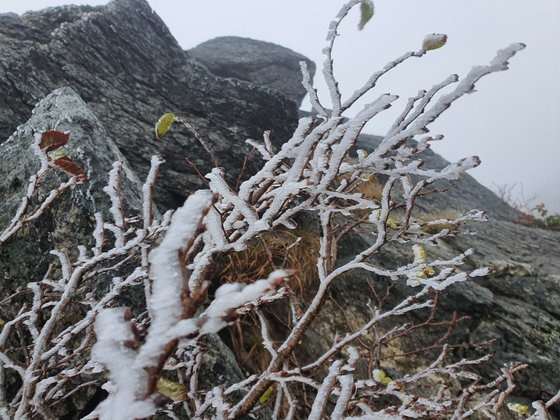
point(316, 190)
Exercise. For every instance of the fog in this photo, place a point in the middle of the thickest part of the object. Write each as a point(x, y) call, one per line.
point(513, 120)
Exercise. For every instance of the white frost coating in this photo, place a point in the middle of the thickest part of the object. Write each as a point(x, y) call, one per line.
point(232, 296)
point(155, 163)
point(111, 189)
point(128, 369)
point(166, 270)
point(346, 387)
point(324, 392)
point(111, 330)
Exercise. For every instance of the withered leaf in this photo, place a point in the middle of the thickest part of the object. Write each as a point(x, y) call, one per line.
point(52, 140)
point(71, 168)
point(172, 390)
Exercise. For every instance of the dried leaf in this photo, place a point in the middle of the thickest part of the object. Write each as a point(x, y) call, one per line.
point(163, 124)
point(171, 390)
point(71, 168)
point(392, 223)
point(367, 10)
point(52, 140)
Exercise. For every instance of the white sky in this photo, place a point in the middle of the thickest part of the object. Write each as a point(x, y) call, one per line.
point(512, 122)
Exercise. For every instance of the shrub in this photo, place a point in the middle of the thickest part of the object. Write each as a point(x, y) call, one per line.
point(159, 351)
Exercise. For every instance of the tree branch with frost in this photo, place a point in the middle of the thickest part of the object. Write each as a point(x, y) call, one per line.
point(134, 372)
point(51, 298)
point(20, 218)
point(310, 172)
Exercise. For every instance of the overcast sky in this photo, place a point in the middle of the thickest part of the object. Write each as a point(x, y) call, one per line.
point(512, 122)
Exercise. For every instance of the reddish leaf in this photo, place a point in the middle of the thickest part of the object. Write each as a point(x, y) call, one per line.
point(52, 140)
point(70, 167)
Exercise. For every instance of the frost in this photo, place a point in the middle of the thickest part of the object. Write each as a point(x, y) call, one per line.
point(312, 178)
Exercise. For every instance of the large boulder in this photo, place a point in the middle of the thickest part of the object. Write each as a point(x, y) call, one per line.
point(123, 61)
point(69, 221)
point(258, 62)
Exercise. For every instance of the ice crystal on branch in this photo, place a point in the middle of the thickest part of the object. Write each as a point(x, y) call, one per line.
point(314, 175)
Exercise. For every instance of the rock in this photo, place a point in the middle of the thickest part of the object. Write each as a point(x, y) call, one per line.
point(258, 62)
point(130, 72)
point(69, 220)
point(518, 306)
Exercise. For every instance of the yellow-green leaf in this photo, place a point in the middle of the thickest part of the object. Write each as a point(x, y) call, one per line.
point(171, 390)
point(163, 124)
point(58, 153)
point(518, 408)
point(264, 398)
point(392, 223)
point(380, 376)
point(367, 10)
point(434, 41)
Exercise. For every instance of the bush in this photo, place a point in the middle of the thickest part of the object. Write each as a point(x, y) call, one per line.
point(157, 350)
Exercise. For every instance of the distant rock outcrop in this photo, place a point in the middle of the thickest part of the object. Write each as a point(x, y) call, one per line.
point(107, 79)
point(258, 62)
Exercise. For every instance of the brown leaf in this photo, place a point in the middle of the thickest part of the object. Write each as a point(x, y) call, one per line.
point(70, 167)
point(52, 140)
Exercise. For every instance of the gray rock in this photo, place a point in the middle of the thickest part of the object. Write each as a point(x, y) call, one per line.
point(258, 62)
point(517, 306)
point(130, 71)
point(69, 221)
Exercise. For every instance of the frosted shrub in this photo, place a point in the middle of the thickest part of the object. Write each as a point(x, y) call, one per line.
point(160, 353)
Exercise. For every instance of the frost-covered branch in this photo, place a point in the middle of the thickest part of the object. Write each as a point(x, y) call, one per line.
point(314, 178)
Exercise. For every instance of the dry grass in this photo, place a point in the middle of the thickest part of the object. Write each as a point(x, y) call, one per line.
point(274, 250)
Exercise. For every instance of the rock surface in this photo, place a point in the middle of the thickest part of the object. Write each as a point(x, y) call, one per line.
point(69, 221)
point(258, 62)
point(130, 71)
